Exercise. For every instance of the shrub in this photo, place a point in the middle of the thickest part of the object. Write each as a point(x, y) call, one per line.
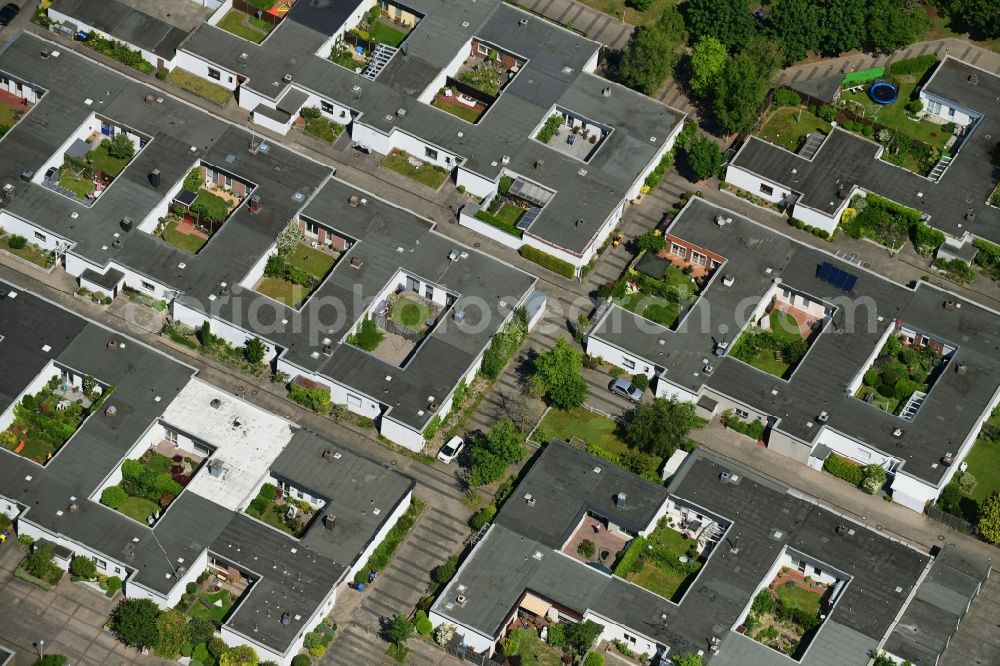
point(301, 660)
point(545, 260)
point(201, 631)
point(593, 659)
point(914, 106)
point(83, 567)
point(52, 660)
point(317, 399)
point(504, 345)
point(587, 548)
point(445, 572)
point(311, 112)
point(120, 146)
point(367, 337)
point(16, 242)
point(842, 468)
point(268, 491)
point(786, 97)
point(172, 631)
point(874, 478)
point(916, 65)
point(651, 242)
point(113, 584)
point(200, 653)
point(444, 633)
point(483, 516)
point(133, 622)
point(39, 562)
point(640, 381)
point(827, 113)
point(423, 624)
point(548, 130)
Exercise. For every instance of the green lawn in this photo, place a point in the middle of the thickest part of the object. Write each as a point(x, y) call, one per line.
point(283, 291)
point(31, 253)
point(323, 129)
point(274, 515)
point(468, 114)
point(186, 242)
point(236, 22)
point(984, 464)
point(593, 428)
point(662, 580)
point(78, 185)
point(216, 207)
point(533, 651)
point(382, 33)
point(894, 115)
point(158, 462)
point(788, 126)
point(411, 313)
point(313, 262)
point(510, 213)
point(653, 308)
point(795, 596)
point(212, 612)
point(100, 160)
point(7, 115)
point(784, 326)
point(425, 174)
point(199, 86)
point(138, 508)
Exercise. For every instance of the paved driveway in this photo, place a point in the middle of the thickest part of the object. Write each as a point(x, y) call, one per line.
point(70, 619)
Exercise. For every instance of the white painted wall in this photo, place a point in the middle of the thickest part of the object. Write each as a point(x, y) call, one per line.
point(818, 219)
point(338, 34)
point(9, 508)
point(95, 288)
point(221, 9)
point(912, 493)
point(14, 88)
point(339, 393)
point(268, 123)
point(854, 450)
point(427, 96)
point(949, 111)
point(256, 272)
point(476, 184)
point(199, 67)
point(466, 219)
point(752, 182)
point(13, 224)
point(418, 147)
point(565, 255)
point(401, 434)
point(340, 113)
point(148, 223)
point(249, 99)
point(148, 56)
point(371, 137)
point(612, 631)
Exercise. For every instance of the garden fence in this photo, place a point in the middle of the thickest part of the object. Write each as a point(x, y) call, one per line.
point(390, 326)
point(951, 521)
point(257, 12)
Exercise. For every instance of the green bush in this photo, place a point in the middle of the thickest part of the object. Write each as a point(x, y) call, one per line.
point(16, 242)
point(114, 497)
point(268, 492)
point(874, 478)
point(842, 468)
point(495, 221)
point(504, 345)
point(632, 559)
point(310, 112)
point(201, 653)
point(301, 660)
point(52, 660)
point(423, 624)
point(587, 548)
point(545, 260)
point(916, 65)
point(640, 381)
point(316, 399)
point(752, 429)
point(483, 516)
point(548, 130)
point(83, 567)
point(367, 337)
point(786, 97)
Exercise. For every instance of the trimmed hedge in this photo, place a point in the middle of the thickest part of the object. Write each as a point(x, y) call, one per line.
point(629, 562)
point(916, 65)
point(384, 551)
point(545, 260)
point(495, 221)
point(842, 468)
point(752, 429)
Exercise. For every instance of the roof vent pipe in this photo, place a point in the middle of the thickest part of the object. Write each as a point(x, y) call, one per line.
point(606, 92)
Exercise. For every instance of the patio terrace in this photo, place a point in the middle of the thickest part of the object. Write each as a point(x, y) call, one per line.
point(607, 545)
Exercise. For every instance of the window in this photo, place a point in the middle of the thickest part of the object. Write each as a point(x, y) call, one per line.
point(628, 363)
point(429, 292)
point(101, 563)
point(228, 181)
point(742, 413)
point(354, 400)
point(766, 189)
point(214, 74)
point(802, 566)
point(482, 49)
point(147, 285)
point(118, 570)
point(325, 106)
point(679, 250)
point(40, 236)
point(817, 571)
point(934, 106)
point(430, 153)
point(170, 436)
point(698, 258)
point(630, 639)
point(951, 112)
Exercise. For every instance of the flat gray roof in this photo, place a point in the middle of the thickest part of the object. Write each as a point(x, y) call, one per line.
point(125, 24)
point(553, 75)
point(755, 257)
point(292, 575)
point(287, 184)
point(511, 559)
point(847, 160)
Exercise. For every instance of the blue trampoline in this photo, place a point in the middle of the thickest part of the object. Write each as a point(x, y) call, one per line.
point(883, 92)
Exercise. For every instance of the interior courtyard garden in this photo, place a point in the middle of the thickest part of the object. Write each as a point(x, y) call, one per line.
point(903, 373)
point(151, 483)
point(278, 509)
point(784, 614)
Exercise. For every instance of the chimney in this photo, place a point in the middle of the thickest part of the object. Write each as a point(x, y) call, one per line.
point(606, 92)
point(620, 500)
point(74, 508)
point(539, 165)
point(111, 410)
point(287, 78)
point(961, 369)
point(354, 200)
point(154, 177)
point(973, 79)
point(947, 459)
point(126, 224)
point(460, 600)
point(329, 521)
point(112, 344)
point(327, 454)
point(255, 204)
point(286, 618)
point(149, 100)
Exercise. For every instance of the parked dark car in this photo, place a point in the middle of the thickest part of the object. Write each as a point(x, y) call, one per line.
point(8, 12)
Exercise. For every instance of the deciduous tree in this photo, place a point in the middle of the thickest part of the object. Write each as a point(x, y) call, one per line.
point(559, 376)
point(708, 59)
point(662, 426)
point(727, 20)
point(988, 524)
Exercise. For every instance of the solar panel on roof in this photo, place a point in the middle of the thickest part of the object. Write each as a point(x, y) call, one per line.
point(836, 277)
